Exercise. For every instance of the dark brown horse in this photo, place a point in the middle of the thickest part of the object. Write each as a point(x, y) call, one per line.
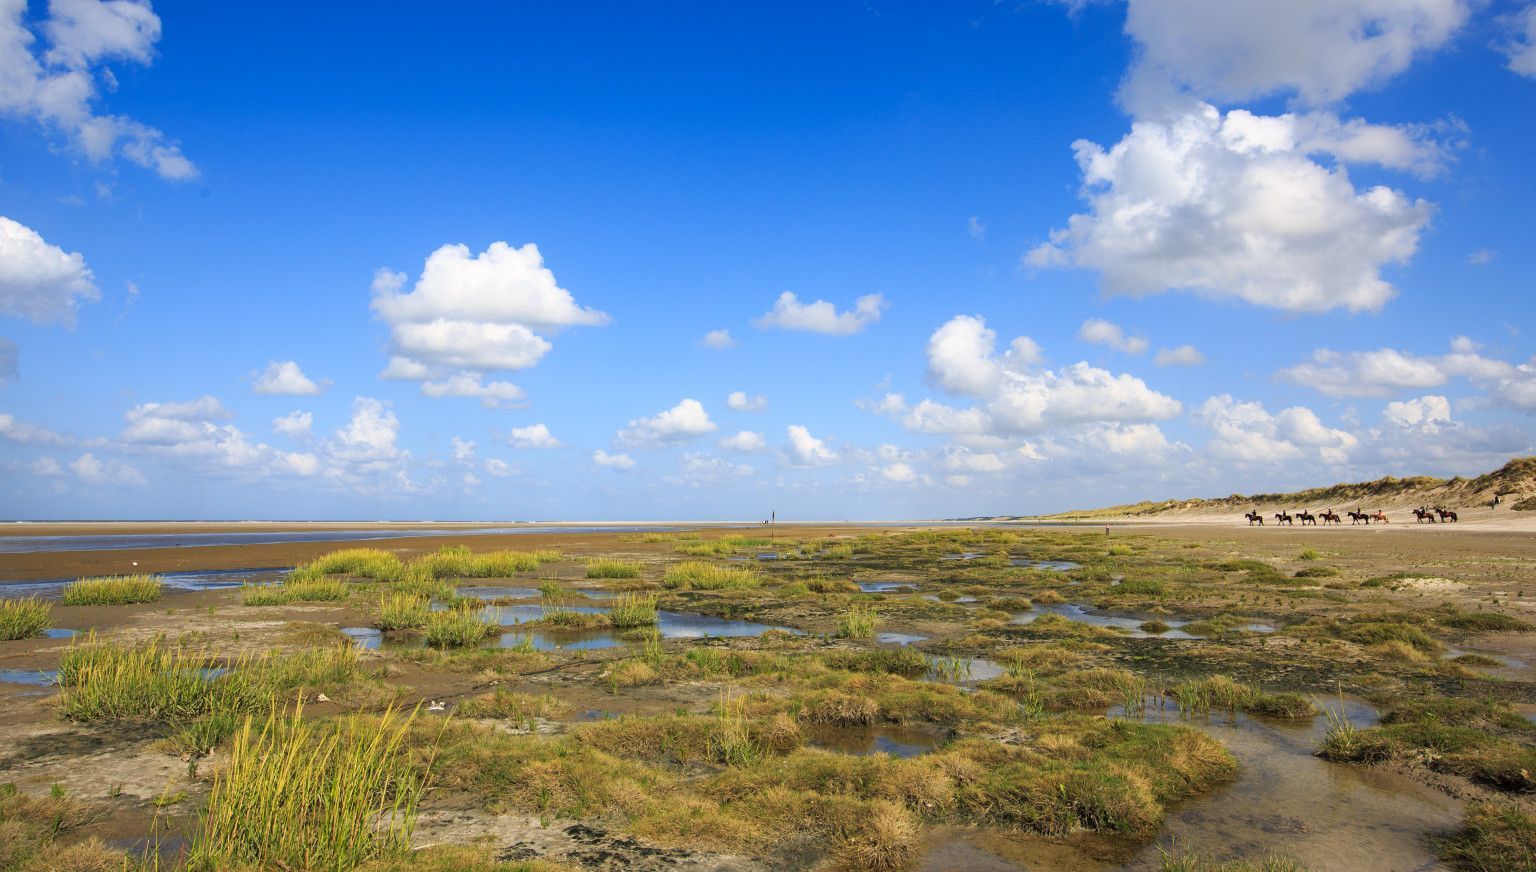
point(1358, 518)
point(1446, 515)
point(1330, 518)
point(1422, 514)
point(1254, 517)
point(1283, 518)
point(1306, 517)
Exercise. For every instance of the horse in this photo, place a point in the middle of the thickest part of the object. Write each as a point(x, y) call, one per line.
point(1306, 517)
point(1446, 515)
point(1283, 518)
point(1380, 516)
point(1422, 514)
point(1254, 517)
point(1330, 518)
point(1358, 517)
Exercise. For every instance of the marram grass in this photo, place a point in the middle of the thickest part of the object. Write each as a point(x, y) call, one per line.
point(299, 794)
point(106, 682)
point(633, 610)
point(698, 575)
point(118, 590)
point(605, 568)
point(458, 627)
point(457, 561)
point(858, 622)
point(402, 611)
point(24, 618)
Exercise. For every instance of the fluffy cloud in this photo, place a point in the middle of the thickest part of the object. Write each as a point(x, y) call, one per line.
point(492, 395)
point(719, 340)
point(294, 425)
point(741, 401)
point(57, 87)
point(745, 441)
point(1320, 50)
point(684, 421)
point(807, 450)
point(976, 228)
point(368, 441)
point(38, 281)
point(22, 432)
point(788, 313)
point(1521, 46)
point(467, 315)
point(961, 356)
point(612, 461)
point(1016, 398)
point(285, 378)
point(532, 436)
point(1101, 332)
point(194, 432)
point(1233, 206)
point(898, 472)
point(1184, 355)
point(497, 467)
point(93, 470)
point(463, 450)
point(1387, 371)
point(1248, 433)
point(1422, 433)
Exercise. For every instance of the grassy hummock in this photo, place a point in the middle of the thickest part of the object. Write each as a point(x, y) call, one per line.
point(24, 618)
point(116, 590)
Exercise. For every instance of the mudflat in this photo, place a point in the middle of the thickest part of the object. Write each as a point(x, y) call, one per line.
point(935, 697)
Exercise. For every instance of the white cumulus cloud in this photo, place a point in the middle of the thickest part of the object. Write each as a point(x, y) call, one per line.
point(469, 315)
point(612, 461)
point(745, 441)
point(294, 424)
point(788, 313)
point(1249, 433)
point(684, 421)
point(532, 436)
point(807, 450)
point(741, 401)
point(1232, 205)
point(38, 281)
point(57, 86)
point(719, 340)
point(285, 378)
point(1184, 355)
point(1319, 50)
point(491, 394)
point(1521, 45)
point(1100, 332)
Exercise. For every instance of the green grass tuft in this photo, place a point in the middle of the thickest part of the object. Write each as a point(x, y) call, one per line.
point(604, 568)
point(118, 590)
point(24, 618)
point(458, 627)
point(297, 794)
point(698, 575)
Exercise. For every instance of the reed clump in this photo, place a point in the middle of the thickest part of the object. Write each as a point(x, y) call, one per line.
point(402, 611)
point(698, 575)
point(118, 590)
point(24, 618)
point(633, 610)
point(458, 627)
point(299, 794)
point(859, 622)
point(604, 568)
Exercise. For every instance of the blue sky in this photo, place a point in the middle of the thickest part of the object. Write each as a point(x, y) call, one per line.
point(1041, 255)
